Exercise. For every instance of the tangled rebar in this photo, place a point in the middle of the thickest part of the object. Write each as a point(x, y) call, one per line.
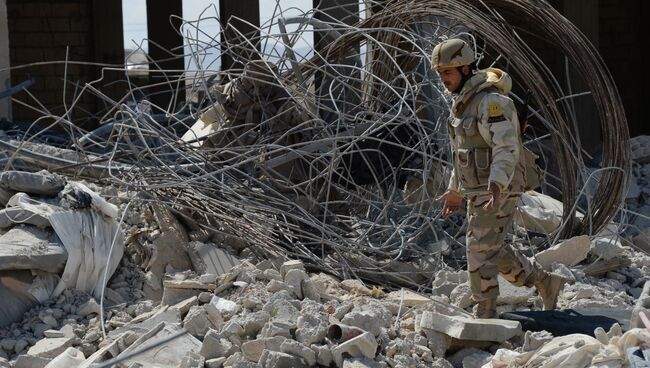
point(334, 156)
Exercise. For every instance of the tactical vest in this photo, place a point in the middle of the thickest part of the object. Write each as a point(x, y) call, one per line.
point(472, 154)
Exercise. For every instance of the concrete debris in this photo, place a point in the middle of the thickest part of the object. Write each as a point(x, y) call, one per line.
point(196, 321)
point(510, 294)
point(50, 347)
point(71, 357)
point(26, 247)
point(607, 248)
point(539, 213)
point(464, 328)
point(208, 258)
point(569, 252)
point(642, 306)
point(407, 298)
point(446, 281)
point(168, 355)
point(363, 345)
point(40, 183)
point(244, 309)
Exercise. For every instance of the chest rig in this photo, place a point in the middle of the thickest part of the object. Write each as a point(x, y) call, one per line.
point(472, 154)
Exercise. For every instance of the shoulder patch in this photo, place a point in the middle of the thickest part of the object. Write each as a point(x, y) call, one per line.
point(495, 109)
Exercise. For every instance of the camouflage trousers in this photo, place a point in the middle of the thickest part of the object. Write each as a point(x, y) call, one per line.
point(487, 255)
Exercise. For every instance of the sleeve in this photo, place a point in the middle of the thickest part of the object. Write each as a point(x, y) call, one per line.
point(453, 185)
point(499, 125)
point(453, 182)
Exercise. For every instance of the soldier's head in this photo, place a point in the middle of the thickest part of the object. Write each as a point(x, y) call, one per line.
point(455, 62)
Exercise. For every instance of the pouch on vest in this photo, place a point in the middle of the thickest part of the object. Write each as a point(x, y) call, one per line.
point(474, 166)
point(532, 171)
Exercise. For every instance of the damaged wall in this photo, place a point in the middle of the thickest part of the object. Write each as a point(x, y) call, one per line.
point(40, 31)
point(4, 60)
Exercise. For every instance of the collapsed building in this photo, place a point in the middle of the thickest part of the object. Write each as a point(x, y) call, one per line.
point(283, 215)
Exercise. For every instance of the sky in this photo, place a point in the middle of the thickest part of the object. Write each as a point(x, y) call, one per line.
point(135, 26)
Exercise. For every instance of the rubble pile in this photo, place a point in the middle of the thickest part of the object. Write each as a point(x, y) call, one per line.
point(293, 224)
point(240, 310)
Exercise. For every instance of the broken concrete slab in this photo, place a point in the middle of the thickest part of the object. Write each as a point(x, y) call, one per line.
point(323, 355)
point(15, 215)
point(167, 355)
point(196, 322)
point(208, 258)
point(464, 328)
point(356, 287)
point(173, 296)
point(71, 357)
point(539, 213)
point(30, 361)
point(185, 305)
point(253, 349)
point(300, 350)
point(26, 247)
point(224, 306)
point(607, 247)
point(445, 281)
point(188, 284)
point(170, 249)
point(215, 346)
point(569, 252)
point(192, 360)
point(642, 241)
point(511, 294)
point(50, 347)
point(89, 307)
point(461, 296)
point(291, 265)
point(40, 183)
point(294, 279)
point(148, 321)
point(276, 359)
point(407, 297)
point(363, 345)
point(603, 266)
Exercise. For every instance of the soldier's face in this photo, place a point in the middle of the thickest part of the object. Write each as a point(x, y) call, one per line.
point(450, 77)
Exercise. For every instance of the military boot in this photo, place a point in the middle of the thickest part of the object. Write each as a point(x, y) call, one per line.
point(486, 309)
point(548, 286)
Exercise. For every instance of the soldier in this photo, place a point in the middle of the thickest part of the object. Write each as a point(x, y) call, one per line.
point(487, 171)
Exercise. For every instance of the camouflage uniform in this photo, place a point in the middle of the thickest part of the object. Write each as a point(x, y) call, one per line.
point(486, 144)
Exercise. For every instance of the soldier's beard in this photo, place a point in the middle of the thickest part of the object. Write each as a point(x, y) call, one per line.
point(463, 80)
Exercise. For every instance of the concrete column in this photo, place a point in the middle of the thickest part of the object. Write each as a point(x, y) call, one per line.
point(5, 78)
point(240, 38)
point(335, 11)
point(166, 42)
point(108, 36)
point(584, 14)
point(346, 11)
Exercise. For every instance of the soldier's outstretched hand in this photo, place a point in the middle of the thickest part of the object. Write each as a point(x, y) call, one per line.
point(452, 201)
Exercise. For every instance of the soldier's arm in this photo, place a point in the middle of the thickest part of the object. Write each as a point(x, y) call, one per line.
point(453, 179)
point(499, 126)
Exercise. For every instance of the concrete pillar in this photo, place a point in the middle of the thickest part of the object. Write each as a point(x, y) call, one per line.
point(240, 38)
point(584, 14)
point(346, 11)
point(335, 11)
point(166, 42)
point(5, 78)
point(108, 36)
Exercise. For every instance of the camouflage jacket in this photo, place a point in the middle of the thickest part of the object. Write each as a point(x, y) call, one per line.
point(484, 133)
